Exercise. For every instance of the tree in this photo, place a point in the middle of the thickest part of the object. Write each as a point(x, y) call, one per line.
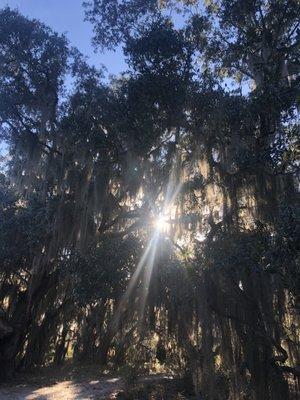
point(167, 195)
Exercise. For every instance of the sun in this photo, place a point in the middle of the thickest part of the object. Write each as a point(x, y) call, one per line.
point(161, 223)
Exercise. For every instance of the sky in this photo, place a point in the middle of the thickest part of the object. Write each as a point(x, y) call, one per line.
point(67, 16)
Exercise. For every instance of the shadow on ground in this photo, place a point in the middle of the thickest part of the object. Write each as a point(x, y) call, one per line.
point(90, 383)
point(63, 384)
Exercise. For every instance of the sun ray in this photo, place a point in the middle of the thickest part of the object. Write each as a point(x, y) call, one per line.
point(133, 280)
point(148, 274)
point(145, 266)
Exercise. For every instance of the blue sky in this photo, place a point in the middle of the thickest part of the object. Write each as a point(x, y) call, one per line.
point(67, 16)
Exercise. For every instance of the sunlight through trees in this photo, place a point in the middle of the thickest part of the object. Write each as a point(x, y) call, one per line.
point(149, 222)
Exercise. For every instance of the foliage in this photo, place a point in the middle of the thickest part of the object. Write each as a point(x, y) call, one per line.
point(152, 220)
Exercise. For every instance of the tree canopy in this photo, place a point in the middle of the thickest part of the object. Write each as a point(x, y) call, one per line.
point(153, 219)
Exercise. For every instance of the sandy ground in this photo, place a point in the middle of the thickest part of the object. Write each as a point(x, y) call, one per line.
point(104, 388)
point(68, 383)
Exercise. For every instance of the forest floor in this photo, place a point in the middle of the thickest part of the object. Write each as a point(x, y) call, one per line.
point(85, 384)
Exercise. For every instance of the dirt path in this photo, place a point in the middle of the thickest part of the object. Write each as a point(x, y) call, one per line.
point(77, 383)
point(103, 388)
